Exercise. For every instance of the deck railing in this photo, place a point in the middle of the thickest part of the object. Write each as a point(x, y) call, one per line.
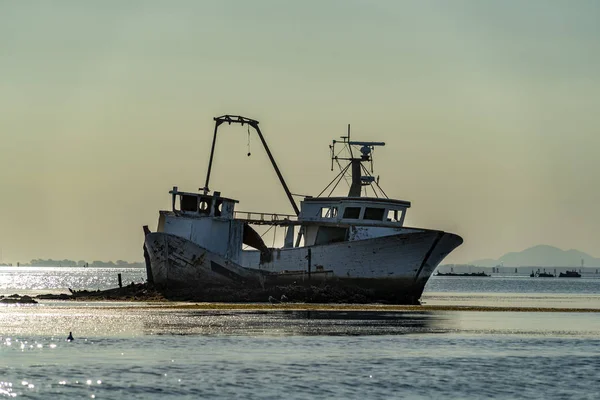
point(265, 218)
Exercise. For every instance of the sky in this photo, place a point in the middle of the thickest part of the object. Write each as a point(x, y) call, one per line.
point(489, 111)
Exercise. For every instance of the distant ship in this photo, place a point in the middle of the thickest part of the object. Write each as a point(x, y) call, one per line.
point(539, 274)
point(350, 241)
point(570, 274)
point(463, 274)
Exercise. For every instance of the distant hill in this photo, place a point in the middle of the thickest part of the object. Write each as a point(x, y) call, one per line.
point(81, 263)
point(541, 256)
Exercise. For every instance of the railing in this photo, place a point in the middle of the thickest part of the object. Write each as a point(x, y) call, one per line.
point(265, 218)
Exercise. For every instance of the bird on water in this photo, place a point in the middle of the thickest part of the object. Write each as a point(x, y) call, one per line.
point(70, 337)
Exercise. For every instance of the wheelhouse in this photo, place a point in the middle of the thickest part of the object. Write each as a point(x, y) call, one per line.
point(202, 205)
point(338, 219)
point(354, 210)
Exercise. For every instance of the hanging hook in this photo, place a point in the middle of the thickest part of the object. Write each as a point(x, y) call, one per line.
point(248, 140)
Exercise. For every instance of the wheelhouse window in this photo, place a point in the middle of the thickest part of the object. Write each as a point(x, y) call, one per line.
point(188, 203)
point(329, 212)
point(394, 215)
point(352, 212)
point(374, 214)
point(218, 208)
point(204, 207)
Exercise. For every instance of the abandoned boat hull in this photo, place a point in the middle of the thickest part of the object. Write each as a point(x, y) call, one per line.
point(395, 268)
point(177, 263)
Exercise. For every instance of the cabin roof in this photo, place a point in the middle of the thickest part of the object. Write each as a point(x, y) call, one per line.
point(204, 196)
point(378, 200)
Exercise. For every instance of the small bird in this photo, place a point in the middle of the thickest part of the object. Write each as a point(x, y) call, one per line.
point(70, 337)
point(273, 300)
point(284, 298)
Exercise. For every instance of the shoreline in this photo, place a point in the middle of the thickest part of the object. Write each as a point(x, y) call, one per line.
point(142, 294)
point(165, 304)
point(355, 307)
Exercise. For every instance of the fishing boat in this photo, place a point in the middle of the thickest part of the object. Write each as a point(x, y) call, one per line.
point(354, 241)
point(569, 274)
point(474, 274)
point(539, 274)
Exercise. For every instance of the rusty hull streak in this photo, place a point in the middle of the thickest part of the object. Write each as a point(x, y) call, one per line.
point(426, 258)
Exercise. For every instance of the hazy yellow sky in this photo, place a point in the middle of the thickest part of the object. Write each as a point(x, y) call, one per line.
point(490, 111)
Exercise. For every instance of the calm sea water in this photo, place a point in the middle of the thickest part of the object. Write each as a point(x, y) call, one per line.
point(38, 280)
point(131, 351)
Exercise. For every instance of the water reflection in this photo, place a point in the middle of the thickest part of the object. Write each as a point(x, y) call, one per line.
point(304, 323)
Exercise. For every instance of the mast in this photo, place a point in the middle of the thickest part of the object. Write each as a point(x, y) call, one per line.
point(212, 153)
point(355, 165)
point(237, 119)
point(356, 185)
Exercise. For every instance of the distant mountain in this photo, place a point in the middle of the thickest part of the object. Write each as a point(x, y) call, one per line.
point(82, 263)
point(541, 256)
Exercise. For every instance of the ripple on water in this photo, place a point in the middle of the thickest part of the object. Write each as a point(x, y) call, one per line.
point(381, 366)
point(296, 355)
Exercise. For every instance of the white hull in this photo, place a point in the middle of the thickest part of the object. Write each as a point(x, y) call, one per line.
point(413, 254)
point(397, 267)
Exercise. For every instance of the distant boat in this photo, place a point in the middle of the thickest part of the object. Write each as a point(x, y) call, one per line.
point(465, 274)
point(539, 274)
point(570, 274)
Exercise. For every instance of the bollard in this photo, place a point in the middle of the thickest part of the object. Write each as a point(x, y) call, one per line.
point(120, 282)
